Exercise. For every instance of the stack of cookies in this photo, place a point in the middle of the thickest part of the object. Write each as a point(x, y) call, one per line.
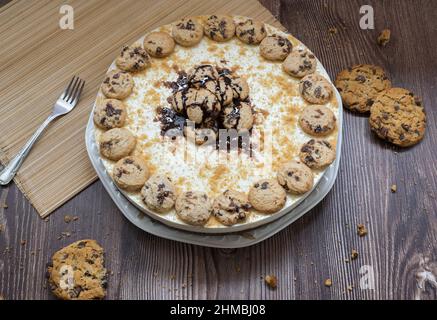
point(396, 114)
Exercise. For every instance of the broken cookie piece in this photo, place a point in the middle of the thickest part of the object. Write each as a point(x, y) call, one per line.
point(384, 37)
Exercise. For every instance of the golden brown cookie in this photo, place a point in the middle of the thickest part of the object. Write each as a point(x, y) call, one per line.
point(299, 63)
point(314, 88)
point(275, 47)
point(133, 59)
point(250, 31)
point(159, 193)
point(193, 207)
point(359, 86)
point(397, 116)
point(198, 76)
point(117, 143)
point(77, 272)
point(231, 207)
point(295, 177)
point(187, 32)
point(130, 173)
point(219, 28)
point(238, 116)
point(201, 104)
point(240, 87)
point(117, 85)
point(317, 120)
point(159, 44)
point(109, 114)
point(317, 154)
point(267, 196)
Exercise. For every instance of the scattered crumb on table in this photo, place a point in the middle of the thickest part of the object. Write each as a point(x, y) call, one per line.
point(333, 30)
point(362, 230)
point(4, 205)
point(394, 188)
point(354, 254)
point(328, 282)
point(271, 281)
point(384, 37)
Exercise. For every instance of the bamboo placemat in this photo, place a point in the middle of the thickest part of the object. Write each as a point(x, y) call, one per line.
point(38, 58)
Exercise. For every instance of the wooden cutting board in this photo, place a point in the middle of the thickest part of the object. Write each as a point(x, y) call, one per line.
point(38, 58)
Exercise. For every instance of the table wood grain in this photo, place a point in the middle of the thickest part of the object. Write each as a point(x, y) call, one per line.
point(402, 227)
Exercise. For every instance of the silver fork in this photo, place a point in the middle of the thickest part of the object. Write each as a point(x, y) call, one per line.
point(65, 103)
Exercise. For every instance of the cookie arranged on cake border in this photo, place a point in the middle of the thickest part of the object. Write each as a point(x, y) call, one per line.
point(214, 97)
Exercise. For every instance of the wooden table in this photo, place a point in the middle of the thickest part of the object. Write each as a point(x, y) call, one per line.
point(402, 238)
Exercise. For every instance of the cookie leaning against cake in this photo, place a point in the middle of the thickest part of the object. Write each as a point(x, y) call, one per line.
point(131, 172)
point(396, 115)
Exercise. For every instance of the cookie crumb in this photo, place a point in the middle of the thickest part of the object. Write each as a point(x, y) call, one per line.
point(271, 281)
point(354, 254)
point(384, 37)
point(23, 242)
point(362, 230)
point(328, 282)
point(333, 30)
point(394, 188)
point(68, 218)
point(349, 288)
point(4, 205)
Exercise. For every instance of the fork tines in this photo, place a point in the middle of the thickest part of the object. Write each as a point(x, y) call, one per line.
point(74, 90)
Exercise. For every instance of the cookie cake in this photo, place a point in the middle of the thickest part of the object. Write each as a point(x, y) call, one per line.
point(216, 123)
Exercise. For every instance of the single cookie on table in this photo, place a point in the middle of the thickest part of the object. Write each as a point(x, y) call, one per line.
point(133, 59)
point(198, 76)
point(275, 47)
point(398, 116)
point(159, 193)
point(238, 116)
point(130, 173)
point(159, 44)
point(295, 177)
point(299, 63)
point(201, 104)
point(193, 207)
point(187, 32)
point(109, 114)
point(314, 88)
point(267, 196)
point(317, 154)
point(231, 207)
point(117, 143)
point(317, 120)
point(117, 85)
point(77, 272)
point(250, 31)
point(219, 28)
point(359, 86)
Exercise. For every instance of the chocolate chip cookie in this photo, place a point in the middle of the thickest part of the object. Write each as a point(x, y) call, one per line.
point(359, 86)
point(202, 104)
point(275, 47)
point(231, 207)
point(317, 120)
point(109, 114)
point(77, 272)
point(250, 31)
point(219, 28)
point(159, 44)
point(317, 154)
point(117, 143)
point(187, 32)
point(133, 59)
point(314, 88)
point(295, 177)
point(397, 115)
point(159, 193)
point(193, 207)
point(238, 116)
point(299, 63)
point(117, 85)
point(130, 173)
point(240, 88)
point(199, 75)
point(267, 196)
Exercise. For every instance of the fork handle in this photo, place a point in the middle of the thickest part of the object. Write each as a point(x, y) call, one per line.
point(8, 173)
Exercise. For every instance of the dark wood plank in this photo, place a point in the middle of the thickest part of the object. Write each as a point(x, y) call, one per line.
point(402, 226)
